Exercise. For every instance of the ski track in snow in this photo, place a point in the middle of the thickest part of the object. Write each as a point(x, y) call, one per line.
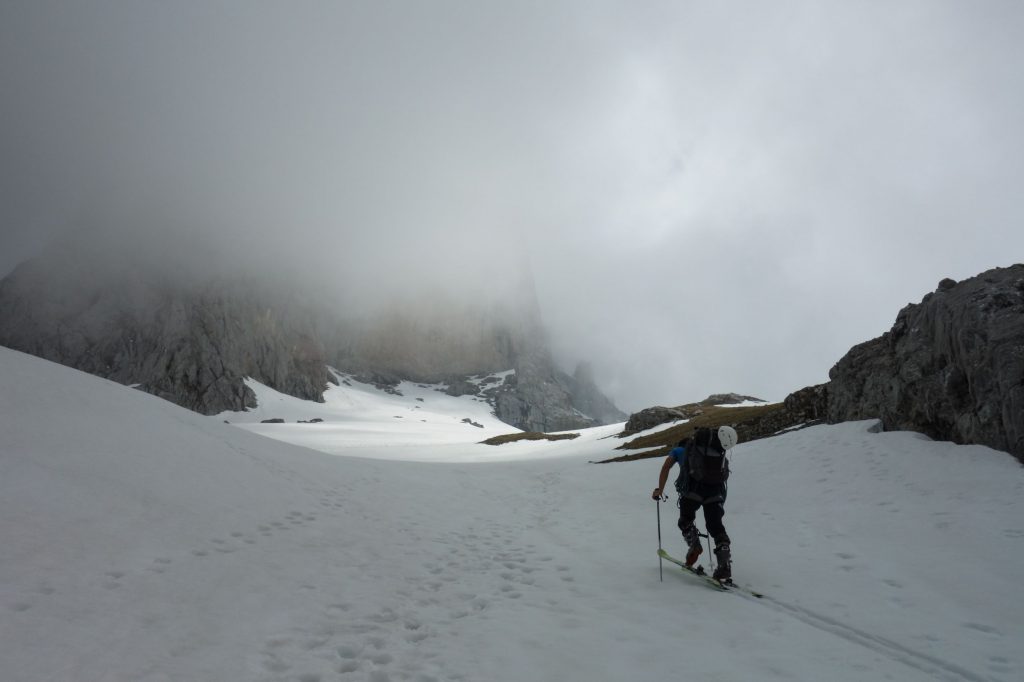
point(926, 663)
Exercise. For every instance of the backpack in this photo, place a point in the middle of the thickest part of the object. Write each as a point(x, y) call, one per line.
point(705, 457)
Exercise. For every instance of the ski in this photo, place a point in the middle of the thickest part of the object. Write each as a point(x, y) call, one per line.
point(721, 586)
point(696, 572)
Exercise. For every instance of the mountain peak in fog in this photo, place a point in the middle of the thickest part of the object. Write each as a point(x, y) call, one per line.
point(140, 311)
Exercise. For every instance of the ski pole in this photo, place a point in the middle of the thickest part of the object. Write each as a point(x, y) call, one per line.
point(661, 576)
point(711, 554)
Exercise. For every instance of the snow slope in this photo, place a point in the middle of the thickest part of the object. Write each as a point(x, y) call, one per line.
point(139, 541)
point(419, 423)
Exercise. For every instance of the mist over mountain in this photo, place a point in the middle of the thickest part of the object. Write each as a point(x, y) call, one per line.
point(183, 317)
point(654, 164)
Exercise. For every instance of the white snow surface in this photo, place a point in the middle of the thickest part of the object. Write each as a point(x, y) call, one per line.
point(420, 424)
point(140, 541)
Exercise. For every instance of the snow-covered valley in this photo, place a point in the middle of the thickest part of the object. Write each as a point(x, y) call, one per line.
point(140, 541)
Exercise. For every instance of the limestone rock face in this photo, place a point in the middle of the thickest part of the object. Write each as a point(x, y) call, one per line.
point(192, 347)
point(587, 398)
point(951, 367)
point(808, 405)
point(538, 397)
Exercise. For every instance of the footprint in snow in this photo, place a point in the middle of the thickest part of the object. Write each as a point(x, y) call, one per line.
point(982, 627)
point(350, 665)
point(113, 580)
point(1000, 664)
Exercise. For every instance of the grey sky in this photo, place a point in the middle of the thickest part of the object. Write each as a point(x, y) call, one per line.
point(713, 196)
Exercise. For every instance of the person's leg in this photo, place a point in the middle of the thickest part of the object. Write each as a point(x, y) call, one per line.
point(687, 514)
point(713, 514)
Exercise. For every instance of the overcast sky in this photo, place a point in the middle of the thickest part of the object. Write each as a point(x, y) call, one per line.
point(712, 196)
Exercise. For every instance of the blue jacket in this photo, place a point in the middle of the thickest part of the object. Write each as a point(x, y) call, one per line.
point(679, 455)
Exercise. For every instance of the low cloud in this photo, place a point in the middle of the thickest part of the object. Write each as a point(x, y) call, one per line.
point(708, 198)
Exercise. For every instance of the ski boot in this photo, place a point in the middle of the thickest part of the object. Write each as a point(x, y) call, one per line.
point(692, 554)
point(723, 572)
point(695, 549)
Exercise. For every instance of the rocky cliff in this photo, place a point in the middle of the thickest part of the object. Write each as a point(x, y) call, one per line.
point(190, 344)
point(538, 397)
point(951, 367)
point(191, 338)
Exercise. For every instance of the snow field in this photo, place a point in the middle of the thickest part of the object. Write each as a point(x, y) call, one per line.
point(143, 542)
point(358, 415)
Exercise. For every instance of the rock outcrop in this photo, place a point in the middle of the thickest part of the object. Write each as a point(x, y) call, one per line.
point(729, 399)
point(808, 405)
point(538, 397)
point(650, 417)
point(951, 367)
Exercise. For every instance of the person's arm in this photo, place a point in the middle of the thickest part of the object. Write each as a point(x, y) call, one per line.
point(659, 491)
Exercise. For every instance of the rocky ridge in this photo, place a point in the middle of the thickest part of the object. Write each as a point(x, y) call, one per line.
point(655, 416)
point(951, 367)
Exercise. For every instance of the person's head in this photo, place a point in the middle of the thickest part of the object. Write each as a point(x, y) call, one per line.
point(681, 444)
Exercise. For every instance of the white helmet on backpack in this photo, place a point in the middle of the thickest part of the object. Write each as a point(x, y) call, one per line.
point(727, 437)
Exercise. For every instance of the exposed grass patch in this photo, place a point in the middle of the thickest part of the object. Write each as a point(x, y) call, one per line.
point(529, 435)
point(659, 444)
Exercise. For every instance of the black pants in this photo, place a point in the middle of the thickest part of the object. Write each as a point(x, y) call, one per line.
point(714, 510)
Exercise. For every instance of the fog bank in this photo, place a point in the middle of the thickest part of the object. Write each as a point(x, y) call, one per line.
point(706, 197)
